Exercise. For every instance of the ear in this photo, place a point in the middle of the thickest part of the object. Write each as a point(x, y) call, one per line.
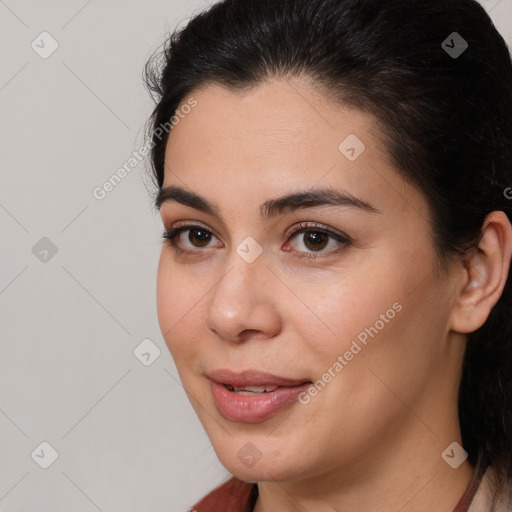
point(483, 275)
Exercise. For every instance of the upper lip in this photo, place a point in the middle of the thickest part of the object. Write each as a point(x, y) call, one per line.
point(252, 378)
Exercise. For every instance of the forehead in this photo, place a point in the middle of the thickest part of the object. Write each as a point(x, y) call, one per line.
point(272, 126)
point(277, 137)
point(278, 109)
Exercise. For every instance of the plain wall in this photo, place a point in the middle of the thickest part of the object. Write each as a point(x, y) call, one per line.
point(126, 436)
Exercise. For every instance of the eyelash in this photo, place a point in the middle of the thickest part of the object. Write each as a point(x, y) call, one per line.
point(170, 236)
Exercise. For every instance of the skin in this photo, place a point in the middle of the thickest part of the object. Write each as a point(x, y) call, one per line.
point(372, 438)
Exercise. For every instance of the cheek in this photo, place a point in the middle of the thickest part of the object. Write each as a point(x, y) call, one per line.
point(166, 289)
point(389, 343)
point(177, 308)
point(354, 308)
point(373, 326)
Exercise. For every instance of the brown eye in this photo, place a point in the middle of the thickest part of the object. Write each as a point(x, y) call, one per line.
point(186, 238)
point(199, 237)
point(312, 241)
point(315, 240)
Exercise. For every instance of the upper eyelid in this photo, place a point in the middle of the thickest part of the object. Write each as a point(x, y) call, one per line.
point(190, 225)
point(318, 226)
point(307, 224)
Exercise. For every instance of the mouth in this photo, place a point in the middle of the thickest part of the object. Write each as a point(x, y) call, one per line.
point(252, 396)
point(250, 390)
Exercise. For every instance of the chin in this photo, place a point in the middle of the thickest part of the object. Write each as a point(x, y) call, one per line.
point(254, 460)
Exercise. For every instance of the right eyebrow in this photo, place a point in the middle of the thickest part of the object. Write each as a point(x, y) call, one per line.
point(186, 198)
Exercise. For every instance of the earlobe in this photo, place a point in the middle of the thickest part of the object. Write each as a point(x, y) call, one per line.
point(485, 274)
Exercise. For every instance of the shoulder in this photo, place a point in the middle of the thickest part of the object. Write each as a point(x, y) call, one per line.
point(231, 496)
point(482, 501)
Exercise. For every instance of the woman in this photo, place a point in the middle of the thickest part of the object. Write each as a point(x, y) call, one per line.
point(334, 281)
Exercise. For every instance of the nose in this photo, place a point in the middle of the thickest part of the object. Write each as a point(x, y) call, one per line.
point(243, 303)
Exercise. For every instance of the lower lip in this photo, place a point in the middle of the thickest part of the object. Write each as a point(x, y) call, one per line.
point(253, 409)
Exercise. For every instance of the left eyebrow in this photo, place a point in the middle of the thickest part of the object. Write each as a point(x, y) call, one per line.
point(312, 198)
point(271, 207)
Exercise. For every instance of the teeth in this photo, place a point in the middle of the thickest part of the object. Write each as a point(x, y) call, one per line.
point(248, 390)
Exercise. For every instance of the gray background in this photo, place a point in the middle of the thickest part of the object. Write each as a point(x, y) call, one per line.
point(125, 433)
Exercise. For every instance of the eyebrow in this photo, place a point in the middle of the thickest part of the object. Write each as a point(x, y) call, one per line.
point(271, 207)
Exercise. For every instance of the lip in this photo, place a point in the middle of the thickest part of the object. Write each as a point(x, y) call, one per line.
point(252, 378)
point(261, 406)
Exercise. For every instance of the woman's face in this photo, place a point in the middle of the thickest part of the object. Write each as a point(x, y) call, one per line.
point(337, 290)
